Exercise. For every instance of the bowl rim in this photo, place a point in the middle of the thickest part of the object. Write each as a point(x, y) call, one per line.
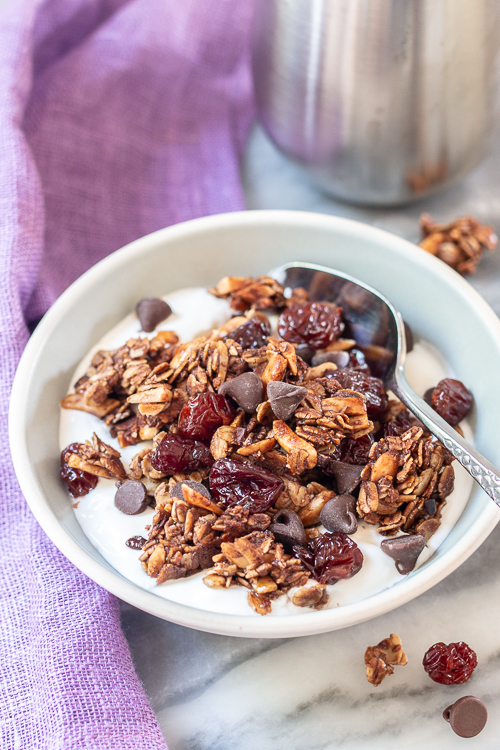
point(308, 623)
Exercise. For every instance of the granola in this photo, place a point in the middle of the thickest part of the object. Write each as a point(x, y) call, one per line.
point(275, 430)
point(460, 243)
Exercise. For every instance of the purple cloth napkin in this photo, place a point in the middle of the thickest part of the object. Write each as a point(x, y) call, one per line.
point(116, 118)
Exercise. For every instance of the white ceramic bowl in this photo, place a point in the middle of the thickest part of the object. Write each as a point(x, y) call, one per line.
point(440, 305)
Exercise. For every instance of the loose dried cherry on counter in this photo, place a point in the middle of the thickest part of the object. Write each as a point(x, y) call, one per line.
point(450, 664)
point(331, 557)
point(203, 414)
point(373, 388)
point(452, 400)
point(180, 454)
point(253, 334)
point(237, 483)
point(79, 482)
point(316, 324)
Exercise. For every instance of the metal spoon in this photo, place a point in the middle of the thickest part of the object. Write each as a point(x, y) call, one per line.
point(379, 331)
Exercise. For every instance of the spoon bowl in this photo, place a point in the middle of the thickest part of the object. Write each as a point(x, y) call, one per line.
point(379, 331)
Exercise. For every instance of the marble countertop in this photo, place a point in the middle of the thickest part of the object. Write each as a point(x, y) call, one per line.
point(214, 692)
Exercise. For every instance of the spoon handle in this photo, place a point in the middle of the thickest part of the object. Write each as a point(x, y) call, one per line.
point(485, 474)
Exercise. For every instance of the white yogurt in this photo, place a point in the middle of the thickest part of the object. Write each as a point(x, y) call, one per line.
point(107, 528)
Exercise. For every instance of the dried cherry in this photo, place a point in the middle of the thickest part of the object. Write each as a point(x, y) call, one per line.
point(316, 324)
point(79, 482)
point(237, 483)
point(203, 414)
point(331, 557)
point(180, 454)
point(253, 334)
point(398, 425)
point(452, 400)
point(450, 664)
point(373, 388)
point(355, 451)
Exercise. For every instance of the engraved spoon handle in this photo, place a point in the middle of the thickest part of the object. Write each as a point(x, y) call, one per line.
point(485, 474)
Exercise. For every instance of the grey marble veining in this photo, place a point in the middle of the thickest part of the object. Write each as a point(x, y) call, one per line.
point(218, 693)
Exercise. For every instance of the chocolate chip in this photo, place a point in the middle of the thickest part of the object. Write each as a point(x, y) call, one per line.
point(467, 716)
point(408, 336)
point(131, 497)
point(430, 506)
point(151, 311)
point(339, 358)
point(247, 390)
point(176, 490)
point(404, 550)
point(347, 476)
point(339, 514)
point(288, 529)
point(284, 398)
point(304, 352)
point(136, 542)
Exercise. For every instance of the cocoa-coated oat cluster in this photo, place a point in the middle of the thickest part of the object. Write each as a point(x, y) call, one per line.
point(256, 444)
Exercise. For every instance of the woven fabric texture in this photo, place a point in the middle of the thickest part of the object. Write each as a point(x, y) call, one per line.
point(117, 118)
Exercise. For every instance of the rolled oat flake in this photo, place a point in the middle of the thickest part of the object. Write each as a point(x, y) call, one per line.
point(467, 716)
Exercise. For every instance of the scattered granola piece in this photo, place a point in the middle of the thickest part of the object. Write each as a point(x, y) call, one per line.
point(381, 659)
point(460, 243)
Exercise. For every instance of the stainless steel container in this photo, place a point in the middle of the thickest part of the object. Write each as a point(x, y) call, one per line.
point(382, 101)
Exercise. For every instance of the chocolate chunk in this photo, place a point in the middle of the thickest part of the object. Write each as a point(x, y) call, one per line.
point(430, 506)
point(339, 514)
point(176, 490)
point(288, 529)
point(151, 311)
point(247, 390)
point(131, 497)
point(347, 476)
point(304, 352)
point(284, 398)
point(339, 358)
point(408, 336)
point(136, 542)
point(404, 550)
point(467, 716)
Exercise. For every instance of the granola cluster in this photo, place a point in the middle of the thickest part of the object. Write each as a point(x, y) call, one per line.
point(460, 243)
point(286, 421)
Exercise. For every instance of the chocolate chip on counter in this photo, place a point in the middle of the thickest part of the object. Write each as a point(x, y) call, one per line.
point(339, 514)
point(131, 497)
point(288, 529)
point(409, 337)
point(339, 358)
point(151, 311)
point(284, 398)
point(247, 390)
point(467, 716)
point(347, 476)
point(176, 490)
point(404, 550)
point(136, 542)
